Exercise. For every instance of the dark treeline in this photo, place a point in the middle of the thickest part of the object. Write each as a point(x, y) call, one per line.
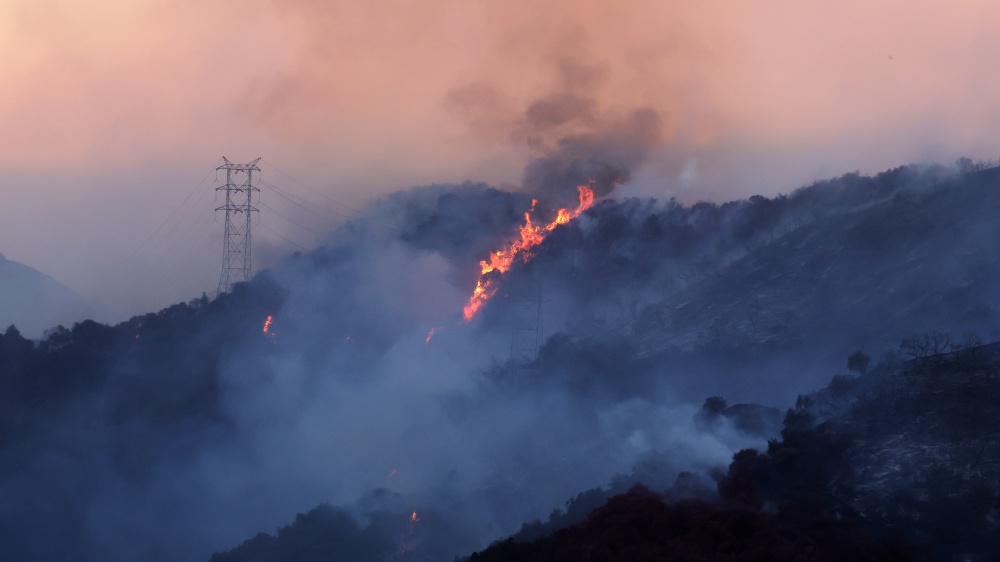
point(900, 462)
point(95, 400)
point(161, 367)
point(643, 525)
point(910, 446)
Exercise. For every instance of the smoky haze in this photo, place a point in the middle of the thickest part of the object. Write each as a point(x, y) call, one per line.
point(114, 113)
point(349, 396)
point(345, 396)
point(190, 430)
point(185, 432)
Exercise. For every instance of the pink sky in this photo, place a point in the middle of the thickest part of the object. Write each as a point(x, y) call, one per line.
point(112, 112)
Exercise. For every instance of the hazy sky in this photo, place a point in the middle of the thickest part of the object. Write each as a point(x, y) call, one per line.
point(114, 112)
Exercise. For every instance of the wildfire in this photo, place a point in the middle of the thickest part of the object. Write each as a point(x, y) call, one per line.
point(430, 335)
point(531, 236)
point(267, 324)
point(414, 518)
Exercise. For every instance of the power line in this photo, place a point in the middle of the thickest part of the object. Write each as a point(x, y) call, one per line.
point(278, 213)
point(316, 191)
point(197, 248)
point(170, 216)
point(185, 224)
point(279, 235)
point(309, 207)
point(128, 273)
point(197, 231)
point(182, 240)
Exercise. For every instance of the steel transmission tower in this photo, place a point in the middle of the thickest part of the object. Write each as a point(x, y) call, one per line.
point(526, 334)
point(237, 265)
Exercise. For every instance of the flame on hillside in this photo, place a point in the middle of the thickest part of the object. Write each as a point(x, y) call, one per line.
point(531, 235)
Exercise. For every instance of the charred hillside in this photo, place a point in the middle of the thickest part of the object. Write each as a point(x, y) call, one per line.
point(185, 432)
point(754, 287)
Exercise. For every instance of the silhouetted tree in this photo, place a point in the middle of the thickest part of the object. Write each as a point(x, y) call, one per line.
point(858, 362)
point(926, 344)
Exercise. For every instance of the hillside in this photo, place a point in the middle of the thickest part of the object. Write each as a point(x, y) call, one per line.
point(35, 302)
point(783, 288)
point(643, 525)
point(186, 432)
point(897, 463)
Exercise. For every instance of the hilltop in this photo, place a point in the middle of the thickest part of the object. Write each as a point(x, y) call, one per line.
point(35, 302)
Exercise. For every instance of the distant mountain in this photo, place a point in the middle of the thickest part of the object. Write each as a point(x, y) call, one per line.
point(35, 302)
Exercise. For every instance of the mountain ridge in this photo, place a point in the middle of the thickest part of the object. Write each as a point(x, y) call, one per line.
point(34, 301)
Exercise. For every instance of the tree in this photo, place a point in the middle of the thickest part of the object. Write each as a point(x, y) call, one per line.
point(858, 362)
point(710, 411)
point(926, 344)
point(741, 485)
point(715, 405)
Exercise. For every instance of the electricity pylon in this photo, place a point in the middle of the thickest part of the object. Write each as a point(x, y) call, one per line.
point(526, 334)
point(237, 264)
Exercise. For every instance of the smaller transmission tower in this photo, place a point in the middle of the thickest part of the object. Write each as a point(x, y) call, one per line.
point(526, 334)
point(236, 244)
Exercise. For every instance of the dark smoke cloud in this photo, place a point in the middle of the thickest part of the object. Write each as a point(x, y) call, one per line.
point(577, 138)
point(603, 159)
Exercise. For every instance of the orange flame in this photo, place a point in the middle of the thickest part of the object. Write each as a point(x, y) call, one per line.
point(430, 335)
point(531, 236)
point(267, 324)
point(414, 518)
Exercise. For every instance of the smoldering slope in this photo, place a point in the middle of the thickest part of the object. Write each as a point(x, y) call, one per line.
point(346, 401)
point(346, 396)
point(386, 408)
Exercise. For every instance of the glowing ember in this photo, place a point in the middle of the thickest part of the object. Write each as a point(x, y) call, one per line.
point(531, 236)
point(430, 335)
point(414, 518)
point(267, 324)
